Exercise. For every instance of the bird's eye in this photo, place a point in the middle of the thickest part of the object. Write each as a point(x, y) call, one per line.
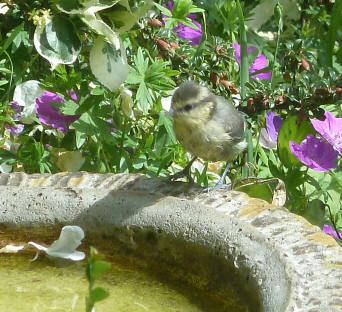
point(187, 107)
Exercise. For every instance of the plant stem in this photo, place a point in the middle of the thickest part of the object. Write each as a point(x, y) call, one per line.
point(244, 78)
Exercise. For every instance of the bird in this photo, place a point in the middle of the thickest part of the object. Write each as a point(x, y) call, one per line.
point(208, 126)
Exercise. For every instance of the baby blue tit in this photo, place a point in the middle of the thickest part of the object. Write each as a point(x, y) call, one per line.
point(207, 125)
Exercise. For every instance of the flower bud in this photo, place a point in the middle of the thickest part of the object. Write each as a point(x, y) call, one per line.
point(230, 86)
point(214, 78)
point(305, 64)
point(163, 45)
point(279, 100)
point(155, 23)
point(174, 45)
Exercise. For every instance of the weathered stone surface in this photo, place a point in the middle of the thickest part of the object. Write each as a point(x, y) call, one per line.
point(298, 267)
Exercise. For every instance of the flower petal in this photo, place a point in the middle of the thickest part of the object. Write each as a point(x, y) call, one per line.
point(259, 63)
point(315, 153)
point(330, 129)
point(273, 124)
point(266, 141)
point(327, 229)
point(237, 53)
point(50, 115)
point(188, 33)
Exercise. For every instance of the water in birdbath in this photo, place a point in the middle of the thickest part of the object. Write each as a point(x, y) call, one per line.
point(44, 285)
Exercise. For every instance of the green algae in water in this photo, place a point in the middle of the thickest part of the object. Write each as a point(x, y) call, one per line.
point(41, 286)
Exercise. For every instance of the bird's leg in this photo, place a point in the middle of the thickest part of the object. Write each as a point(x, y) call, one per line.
point(185, 172)
point(220, 184)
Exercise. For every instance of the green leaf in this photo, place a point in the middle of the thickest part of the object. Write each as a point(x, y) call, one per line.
point(6, 156)
point(144, 99)
point(81, 138)
point(140, 162)
point(164, 10)
point(140, 62)
point(98, 294)
point(253, 188)
point(133, 76)
point(165, 120)
point(10, 39)
point(88, 103)
point(187, 22)
point(292, 131)
point(5, 70)
point(196, 10)
point(69, 5)
point(23, 37)
point(69, 107)
point(335, 26)
point(315, 212)
point(98, 267)
point(181, 8)
point(57, 41)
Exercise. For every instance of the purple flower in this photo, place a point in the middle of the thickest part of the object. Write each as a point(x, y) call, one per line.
point(259, 63)
point(72, 94)
point(17, 108)
point(50, 115)
point(315, 153)
point(185, 32)
point(327, 229)
point(269, 136)
point(112, 129)
point(15, 129)
point(330, 129)
point(188, 33)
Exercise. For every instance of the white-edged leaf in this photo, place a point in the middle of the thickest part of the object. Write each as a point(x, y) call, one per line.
point(264, 11)
point(25, 95)
point(79, 7)
point(69, 161)
point(5, 167)
point(127, 18)
point(126, 101)
point(108, 63)
point(57, 41)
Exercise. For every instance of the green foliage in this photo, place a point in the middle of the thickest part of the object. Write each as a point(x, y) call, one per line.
point(292, 130)
point(95, 267)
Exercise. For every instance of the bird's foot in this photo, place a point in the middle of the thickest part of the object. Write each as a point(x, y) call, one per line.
point(181, 174)
point(218, 186)
point(184, 173)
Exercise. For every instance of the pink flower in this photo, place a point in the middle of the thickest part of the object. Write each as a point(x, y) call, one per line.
point(259, 63)
point(50, 115)
point(185, 32)
point(15, 129)
point(269, 136)
point(327, 229)
point(315, 153)
point(330, 129)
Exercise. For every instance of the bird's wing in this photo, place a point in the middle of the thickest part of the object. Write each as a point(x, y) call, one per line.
point(234, 121)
